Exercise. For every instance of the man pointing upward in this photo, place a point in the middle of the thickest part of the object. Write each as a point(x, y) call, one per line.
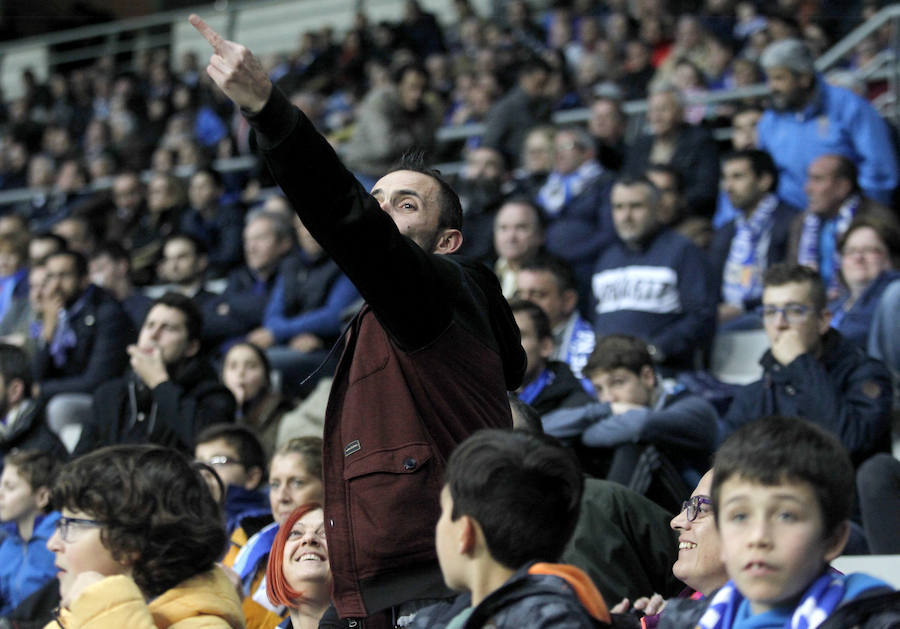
point(428, 359)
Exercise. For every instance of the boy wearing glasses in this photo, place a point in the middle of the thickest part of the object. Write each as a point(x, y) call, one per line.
point(811, 371)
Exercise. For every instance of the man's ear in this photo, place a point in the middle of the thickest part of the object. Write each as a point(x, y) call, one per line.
point(254, 477)
point(468, 536)
point(570, 300)
point(15, 392)
point(648, 376)
point(192, 348)
point(547, 347)
point(824, 321)
point(42, 497)
point(835, 543)
point(449, 241)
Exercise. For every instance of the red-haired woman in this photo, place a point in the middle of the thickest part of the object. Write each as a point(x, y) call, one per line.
point(298, 575)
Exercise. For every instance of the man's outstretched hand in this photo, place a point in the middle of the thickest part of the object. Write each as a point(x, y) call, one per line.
point(235, 70)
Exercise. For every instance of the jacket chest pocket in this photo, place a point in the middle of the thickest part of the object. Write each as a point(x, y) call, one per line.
point(394, 502)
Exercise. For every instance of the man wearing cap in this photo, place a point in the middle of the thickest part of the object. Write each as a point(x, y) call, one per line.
point(808, 117)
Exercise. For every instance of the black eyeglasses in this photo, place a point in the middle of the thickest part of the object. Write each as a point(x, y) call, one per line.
point(64, 525)
point(794, 313)
point(693, 506)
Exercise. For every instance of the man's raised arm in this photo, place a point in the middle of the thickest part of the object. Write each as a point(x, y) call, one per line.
point(235, 70)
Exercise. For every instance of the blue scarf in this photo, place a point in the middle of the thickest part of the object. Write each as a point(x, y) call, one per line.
point(64, 337)
point(742, 280)
point(255, 550)
point(818, 241)
point(530, 392)
point(560, 189)
point(817, 603)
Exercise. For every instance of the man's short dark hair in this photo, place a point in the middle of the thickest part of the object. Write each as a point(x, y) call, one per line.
point(242, 440)
point(113, 250)
point(630, 181)
point(78, 260)
point(775, 450)
point(200, 247)
point(59, 241)
point(666, 169)
point(785, 273)
point(539, 318)
point(523, 490)
point(761, 163)
point(560, 270)
point(15, 365)
point(618, 351)
point(215, 175)
point(410, 66)
point(193, 317)
point(451, 215)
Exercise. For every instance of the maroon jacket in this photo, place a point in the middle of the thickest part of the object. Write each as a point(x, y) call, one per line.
point(427, 362)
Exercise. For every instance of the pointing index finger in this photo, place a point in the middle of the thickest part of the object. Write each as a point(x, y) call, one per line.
point(215, 40)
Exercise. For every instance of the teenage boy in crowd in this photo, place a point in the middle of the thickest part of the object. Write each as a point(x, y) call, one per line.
point(508, 508)
point(782, 495)
point(633, 407)
point(811, 371)
point(237, 456)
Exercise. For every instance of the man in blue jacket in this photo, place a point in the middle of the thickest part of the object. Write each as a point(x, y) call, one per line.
point(808, 118)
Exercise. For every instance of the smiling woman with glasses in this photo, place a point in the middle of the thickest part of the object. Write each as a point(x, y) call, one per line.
point(139, 524)
point(870, 253)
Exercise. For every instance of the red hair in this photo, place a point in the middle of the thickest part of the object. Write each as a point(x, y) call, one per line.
point(277, 588)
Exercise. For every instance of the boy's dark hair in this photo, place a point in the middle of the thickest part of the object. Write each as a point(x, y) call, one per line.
point(244, 441)
point(14, 364)
point(617, 351)
point(78, 260)
point(523, 490)
point(538, 316)
point(451, 216)
point(193, 317)
point(156, 510)
point(38, 468)
point(560, 270)
point(786, 273)
point(761, 163)
point(775, 449)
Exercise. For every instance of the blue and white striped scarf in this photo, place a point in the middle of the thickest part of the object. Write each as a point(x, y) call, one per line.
point(817, 603)
point(560, 189)
point(747, 256)
point(810, 251)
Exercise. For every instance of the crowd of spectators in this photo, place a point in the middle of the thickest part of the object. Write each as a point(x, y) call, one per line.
point(147, 295)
